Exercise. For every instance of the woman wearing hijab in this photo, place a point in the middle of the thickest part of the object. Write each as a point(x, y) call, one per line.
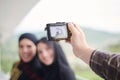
point(53, 61)
point(26, 68)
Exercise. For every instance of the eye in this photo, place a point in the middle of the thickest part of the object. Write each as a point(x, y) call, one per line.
point(20, 46)
point(39, 52)
point(48, 47)
point(29, 46)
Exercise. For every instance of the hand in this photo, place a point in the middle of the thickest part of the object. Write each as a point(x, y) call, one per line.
point(79, 44)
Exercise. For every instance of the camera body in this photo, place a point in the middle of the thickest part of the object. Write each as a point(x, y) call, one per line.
point(57, 31)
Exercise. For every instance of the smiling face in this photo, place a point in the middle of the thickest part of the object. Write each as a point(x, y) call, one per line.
point(27, 50)
point(45, 53)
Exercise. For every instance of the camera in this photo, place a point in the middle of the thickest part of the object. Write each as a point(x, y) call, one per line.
point(57, 31)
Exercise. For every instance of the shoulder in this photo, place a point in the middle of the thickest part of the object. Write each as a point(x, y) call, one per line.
point(15, 68)
point(15, 72)
point(15, 65)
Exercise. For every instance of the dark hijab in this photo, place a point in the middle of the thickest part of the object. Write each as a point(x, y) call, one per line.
point(29, 70)
point(60, 69)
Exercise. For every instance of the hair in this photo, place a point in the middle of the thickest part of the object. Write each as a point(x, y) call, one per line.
point(60, 62)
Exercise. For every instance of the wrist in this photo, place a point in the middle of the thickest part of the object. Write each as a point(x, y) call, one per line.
point(85, 54)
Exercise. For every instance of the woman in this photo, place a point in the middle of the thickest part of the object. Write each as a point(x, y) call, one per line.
point(26, 68)
point(53, 61)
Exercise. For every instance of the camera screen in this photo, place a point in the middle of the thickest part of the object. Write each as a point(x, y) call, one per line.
point(59, 32)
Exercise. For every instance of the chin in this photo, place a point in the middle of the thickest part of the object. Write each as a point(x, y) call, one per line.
point(26, 61)
point(48, 64)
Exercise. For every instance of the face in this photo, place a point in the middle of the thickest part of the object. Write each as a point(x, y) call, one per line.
point(45, 53)
point(27, 50)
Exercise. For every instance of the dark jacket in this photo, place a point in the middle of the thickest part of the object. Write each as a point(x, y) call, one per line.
point(26, 71)
point(105, 65)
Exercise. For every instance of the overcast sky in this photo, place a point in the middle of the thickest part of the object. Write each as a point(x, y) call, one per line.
point(97, 14)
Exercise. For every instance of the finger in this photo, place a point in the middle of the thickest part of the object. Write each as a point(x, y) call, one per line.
point(72, 28)
point(78, 28)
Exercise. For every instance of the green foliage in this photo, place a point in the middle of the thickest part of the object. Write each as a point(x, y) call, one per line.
point(85, 73)
point(8, 54)
point(7, 63)
point(114, 47)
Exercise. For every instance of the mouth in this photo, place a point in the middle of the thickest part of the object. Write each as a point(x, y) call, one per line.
point(26, 56)
point(47, 61)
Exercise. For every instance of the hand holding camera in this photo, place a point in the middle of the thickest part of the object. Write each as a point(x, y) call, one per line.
point(79, 43)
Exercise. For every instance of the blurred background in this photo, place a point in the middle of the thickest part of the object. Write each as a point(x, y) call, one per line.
point(99, 19)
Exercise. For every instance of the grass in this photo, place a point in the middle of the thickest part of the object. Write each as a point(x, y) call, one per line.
point(7, 62)
point(87, 75)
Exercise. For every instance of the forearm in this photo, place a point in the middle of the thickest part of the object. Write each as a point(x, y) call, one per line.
point(85, 54)
point(106, 65)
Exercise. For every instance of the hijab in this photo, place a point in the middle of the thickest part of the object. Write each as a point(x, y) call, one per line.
point(59, 69)
point(29, 70)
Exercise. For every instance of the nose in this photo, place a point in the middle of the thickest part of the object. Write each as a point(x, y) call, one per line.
point(45, 54)
point(25, 50)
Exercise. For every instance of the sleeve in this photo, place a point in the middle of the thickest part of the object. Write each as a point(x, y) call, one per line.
point(106, 65)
